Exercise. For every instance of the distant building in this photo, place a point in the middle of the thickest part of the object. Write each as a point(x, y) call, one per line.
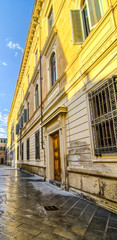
point(63, 119)
point(3, 150)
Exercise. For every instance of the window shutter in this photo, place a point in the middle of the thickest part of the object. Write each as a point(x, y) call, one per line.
point(94, 11)
point(76, 24)
point(17, 129)
point(21, 122)
point(25, 115)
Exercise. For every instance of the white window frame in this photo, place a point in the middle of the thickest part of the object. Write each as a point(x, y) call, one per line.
point(101, 10)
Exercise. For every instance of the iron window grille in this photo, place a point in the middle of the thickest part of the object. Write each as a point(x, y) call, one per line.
point(103, 110)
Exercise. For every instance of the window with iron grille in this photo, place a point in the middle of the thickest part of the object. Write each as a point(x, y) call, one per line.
point(37, 145)
point(103, 109)
point(28, 149)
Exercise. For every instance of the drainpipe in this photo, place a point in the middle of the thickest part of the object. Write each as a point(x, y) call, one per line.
point(41, 102)
point(40, 84)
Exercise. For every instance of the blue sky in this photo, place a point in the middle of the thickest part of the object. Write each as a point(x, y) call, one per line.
point(15, 16)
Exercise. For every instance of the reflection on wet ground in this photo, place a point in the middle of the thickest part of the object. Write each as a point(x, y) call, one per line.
point(33, 209)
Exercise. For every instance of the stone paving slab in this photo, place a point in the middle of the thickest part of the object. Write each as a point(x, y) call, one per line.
point(23, 217)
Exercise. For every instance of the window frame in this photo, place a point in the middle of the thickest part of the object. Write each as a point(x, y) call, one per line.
point(22, 152)
point(50, 19)
point(89, 15)
point(78, 21)
point(36, 96)
point(37, 145)
point(103, 115)
point(54, 72)
point(28, 148)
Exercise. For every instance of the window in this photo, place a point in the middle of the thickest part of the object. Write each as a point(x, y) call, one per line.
point(18, 153)
point(22, 151)
point(26, 114)
point(84, 19)
point(37, 145)
point(103, 108)
point(53, 68)
point(36, 97)
point(28, 149)
point(50, 19)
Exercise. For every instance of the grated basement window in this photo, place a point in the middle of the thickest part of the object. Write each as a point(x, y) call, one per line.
point(103, 110)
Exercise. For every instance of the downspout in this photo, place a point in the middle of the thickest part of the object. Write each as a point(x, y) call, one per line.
point(41, 87)
point(41, 103)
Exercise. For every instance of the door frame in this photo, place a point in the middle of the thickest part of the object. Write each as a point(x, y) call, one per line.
point(51, 126)
point(54, 137)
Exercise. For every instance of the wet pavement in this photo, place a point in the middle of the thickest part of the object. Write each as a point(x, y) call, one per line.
point(33, 209)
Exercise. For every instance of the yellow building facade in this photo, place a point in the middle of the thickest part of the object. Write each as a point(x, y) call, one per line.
point(63, 119)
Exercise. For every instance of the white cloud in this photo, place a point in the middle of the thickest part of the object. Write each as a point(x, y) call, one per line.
point(3, 119)
point(16, 53)
point(14, 46)
point(2, 130)
point(5, 109)
point(3, 125)
point(3, 135)
point(4, 64)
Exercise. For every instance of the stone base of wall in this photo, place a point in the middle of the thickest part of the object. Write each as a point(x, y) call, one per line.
point(33, 169)
point(101, 190)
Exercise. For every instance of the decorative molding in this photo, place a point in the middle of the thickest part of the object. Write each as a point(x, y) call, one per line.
point(56, 113)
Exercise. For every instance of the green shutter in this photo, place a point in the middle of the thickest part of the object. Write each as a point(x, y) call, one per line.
point(25, 115)
point(17, 129)
point(76, 23)
point(94, 11)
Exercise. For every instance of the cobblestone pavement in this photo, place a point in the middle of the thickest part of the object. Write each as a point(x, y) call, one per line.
point(33, 209)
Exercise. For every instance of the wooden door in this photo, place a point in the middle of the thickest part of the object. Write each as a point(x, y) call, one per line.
point(57, 162)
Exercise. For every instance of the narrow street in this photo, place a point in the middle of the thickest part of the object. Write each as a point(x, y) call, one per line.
point(33, 209)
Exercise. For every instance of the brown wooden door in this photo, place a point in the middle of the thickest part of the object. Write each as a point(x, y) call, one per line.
point(57, 162)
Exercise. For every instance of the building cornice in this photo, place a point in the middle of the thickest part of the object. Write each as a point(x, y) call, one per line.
point(32, 28)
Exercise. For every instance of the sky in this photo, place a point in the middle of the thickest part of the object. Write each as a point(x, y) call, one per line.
point(15, 16)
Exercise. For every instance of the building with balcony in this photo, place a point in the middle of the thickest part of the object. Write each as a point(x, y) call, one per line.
point(3, 150)
point(63, 119)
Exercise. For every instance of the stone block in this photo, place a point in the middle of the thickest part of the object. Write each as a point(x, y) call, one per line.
point(90, 184)
point(75, 180)
point(108, 189)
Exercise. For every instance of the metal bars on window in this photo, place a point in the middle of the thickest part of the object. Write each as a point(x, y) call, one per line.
point(103, 109)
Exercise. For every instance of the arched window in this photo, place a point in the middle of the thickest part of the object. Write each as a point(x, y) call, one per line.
point(36, 96)
point(53, 68)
